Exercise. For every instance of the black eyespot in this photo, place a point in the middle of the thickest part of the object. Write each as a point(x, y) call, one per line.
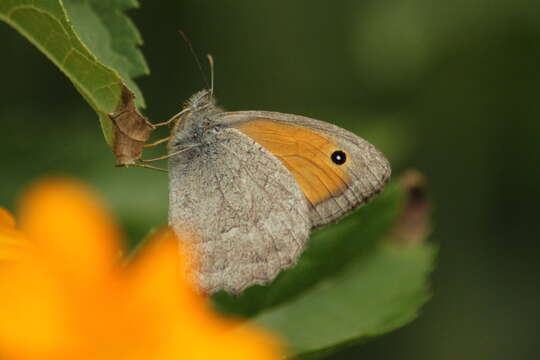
point(339, 157)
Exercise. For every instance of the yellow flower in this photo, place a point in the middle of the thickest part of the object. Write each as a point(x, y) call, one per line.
point(66, 292)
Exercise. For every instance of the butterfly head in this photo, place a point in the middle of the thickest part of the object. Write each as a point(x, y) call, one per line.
point(201, 100)
point(194, 119)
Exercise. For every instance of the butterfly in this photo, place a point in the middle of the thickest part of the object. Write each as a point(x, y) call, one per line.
point(247, 187)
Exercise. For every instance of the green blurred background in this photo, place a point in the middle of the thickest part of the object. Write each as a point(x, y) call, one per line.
point(448, 87)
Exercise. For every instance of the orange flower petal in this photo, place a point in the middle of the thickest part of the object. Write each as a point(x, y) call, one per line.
point(33, 310)
point(13, 244)
point(6, 219)
point(71, 299)
point(182, 317)
point(158, 264)
point(64, 219)
point(156, 277)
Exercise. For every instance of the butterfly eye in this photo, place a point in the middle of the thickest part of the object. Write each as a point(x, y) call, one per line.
point(339, 157)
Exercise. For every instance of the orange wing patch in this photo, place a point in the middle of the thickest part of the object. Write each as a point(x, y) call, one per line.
point(305, 153)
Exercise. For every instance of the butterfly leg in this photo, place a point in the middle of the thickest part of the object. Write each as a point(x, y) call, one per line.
point(174, 118)
point(168, 155)
point(145, 166)
point(160, 141)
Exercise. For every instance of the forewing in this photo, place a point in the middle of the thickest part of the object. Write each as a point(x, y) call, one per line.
point(242, 211)
point(305, 147)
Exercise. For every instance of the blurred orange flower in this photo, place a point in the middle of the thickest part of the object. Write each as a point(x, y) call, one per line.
point(67, 293)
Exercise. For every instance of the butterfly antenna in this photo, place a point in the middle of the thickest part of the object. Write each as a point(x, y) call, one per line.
point(211, 63)
point(188, 42)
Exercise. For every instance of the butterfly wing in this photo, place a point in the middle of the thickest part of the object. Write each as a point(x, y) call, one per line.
point(306, 147)
point(243, 212)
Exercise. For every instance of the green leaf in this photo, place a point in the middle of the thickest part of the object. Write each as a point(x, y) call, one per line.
point(356, 280)
point(377, 294)
point(92, 43)
point(111, 37)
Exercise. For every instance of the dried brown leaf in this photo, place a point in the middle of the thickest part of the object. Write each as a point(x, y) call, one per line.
point(413, 226)
point(130, 130)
